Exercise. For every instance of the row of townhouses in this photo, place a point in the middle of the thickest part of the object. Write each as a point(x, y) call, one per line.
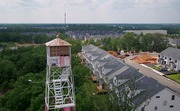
point(145, 93)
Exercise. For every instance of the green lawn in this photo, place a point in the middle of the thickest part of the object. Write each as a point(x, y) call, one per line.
point(157, 67)
point(175, 77)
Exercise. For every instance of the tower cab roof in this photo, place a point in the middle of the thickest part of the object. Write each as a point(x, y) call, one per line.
point(57, 42)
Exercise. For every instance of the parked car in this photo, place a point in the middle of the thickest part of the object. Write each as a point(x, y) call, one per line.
point(162, 69)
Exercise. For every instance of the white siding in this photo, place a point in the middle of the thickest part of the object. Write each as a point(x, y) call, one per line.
point(178, 65)
point(166, 58)
point(172, 60)
point(162, 103)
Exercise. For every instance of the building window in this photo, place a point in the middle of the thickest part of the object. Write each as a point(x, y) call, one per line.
point(164, 103)
point(119, 82)
point(173, 97)
point(175, 61)
point(171, 106)
point(142, 109)
point(157, 96)
point(155, 108)
point(103, 71)
point(115, 81)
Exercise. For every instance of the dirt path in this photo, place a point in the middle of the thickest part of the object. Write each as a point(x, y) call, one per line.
point(26, 44)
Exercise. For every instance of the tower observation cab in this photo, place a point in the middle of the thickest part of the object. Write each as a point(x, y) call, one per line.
point(59, 93)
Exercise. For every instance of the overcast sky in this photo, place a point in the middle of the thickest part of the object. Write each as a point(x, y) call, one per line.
point(90, 11)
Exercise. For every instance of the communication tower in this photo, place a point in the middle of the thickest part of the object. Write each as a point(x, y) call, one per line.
point(59, 93)
point(65, 19)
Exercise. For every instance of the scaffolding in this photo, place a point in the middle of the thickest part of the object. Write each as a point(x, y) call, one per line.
point(59, 93)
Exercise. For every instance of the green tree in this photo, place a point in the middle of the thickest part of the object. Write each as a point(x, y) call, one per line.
point(130, 41)
point(7, 73)
point(25, 93)
point(76, 45)
point(153, 42)
point(106, 43)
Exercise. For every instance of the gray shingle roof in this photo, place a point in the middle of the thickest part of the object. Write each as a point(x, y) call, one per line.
point(147, 85)
point(101, 54)
point(151, 87)
point(114, 64)
point(103, 62)
point(93, 51)
point(171, 52)
point(130, 73)
point(88, 48)
point(118, 72)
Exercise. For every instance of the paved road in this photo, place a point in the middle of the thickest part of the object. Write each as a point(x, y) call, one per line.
point(148, 72)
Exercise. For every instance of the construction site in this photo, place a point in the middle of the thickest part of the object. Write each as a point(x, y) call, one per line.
point(146, 58)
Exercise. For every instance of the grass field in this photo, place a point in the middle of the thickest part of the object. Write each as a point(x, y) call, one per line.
point(157, 67)
point(175, 77)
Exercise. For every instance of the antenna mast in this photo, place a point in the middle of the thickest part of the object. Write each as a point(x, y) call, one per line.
point(65, 15)
point(65, 19)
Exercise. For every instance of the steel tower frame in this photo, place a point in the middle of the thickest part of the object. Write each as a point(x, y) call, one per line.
point(59, 91)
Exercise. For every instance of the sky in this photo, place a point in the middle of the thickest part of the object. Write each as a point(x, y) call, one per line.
point(90, 11)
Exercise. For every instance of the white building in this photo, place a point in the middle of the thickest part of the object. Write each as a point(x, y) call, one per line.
point(138, 32)
point(170, 58)
point(165, 100)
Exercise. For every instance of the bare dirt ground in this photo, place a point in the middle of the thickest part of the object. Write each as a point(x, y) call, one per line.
point(26, 45)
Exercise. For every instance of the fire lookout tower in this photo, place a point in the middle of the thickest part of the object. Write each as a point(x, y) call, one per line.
point(59, 93)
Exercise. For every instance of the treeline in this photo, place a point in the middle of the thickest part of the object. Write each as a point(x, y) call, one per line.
point(95, 27)
point(18, 37)
point(131, 42)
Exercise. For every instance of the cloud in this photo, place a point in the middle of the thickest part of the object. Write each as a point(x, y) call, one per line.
point(147, 2)
point(10, 3)
point(90, 11)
